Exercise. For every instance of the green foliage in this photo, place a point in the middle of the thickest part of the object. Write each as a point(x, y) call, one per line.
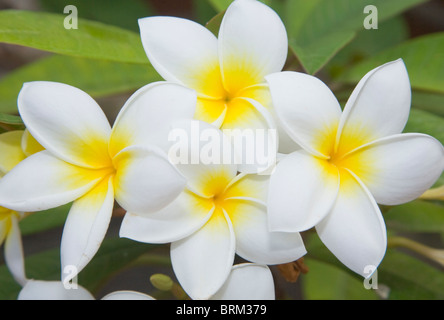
point(105, 57)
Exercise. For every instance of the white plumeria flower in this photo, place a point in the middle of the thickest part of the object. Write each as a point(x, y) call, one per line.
point(56, 290)
point(350, 161)
point(227, 72)
point(88, 162)
point(15, 146)
point(219, 213)
point(247, 281)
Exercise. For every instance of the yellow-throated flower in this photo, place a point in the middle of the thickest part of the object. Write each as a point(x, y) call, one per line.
point(220, 213)
point(226, 72)
point(15, 146)
point(88, 162)
point(349, 161)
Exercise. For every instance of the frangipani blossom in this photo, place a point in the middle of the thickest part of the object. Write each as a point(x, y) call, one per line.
point(220, 213)
point(15, 146)
point(350, 161)
point(88, 162)
point(226, 72)
point(247, 281)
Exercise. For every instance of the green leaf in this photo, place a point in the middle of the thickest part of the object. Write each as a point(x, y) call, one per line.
point(44, 220)
point(46, 31)
point(10, 119)
point(425, 122)
point(106, 11)
point(328, 282)
point(96, 77)
point(422, 56)
point(368, 43)
point(428, 101)
point(416, 216)
point(317, 30)
point(409, 278)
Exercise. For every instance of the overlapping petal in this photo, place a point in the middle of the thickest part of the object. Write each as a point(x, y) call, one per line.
point(50, 182)
point(354, 230)
point(302, 191)
point(398, 168)
point(145, 180)
point(52, 290)
point(203, 261)
point(182, 217)
point(67, 122)
point(307, 110)
point(252, 43)
point(254, 242)
point(14, 256)
point(247, 281)
point(86, 226)
point(378, 107)
point(147, 116)
point(184, 52)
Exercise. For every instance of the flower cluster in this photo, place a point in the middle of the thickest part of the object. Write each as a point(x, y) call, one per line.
point(308, 164)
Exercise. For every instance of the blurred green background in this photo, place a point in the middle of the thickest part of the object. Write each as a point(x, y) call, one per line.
point(326, 38)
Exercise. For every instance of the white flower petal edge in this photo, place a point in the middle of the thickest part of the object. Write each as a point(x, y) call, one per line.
point(145, 179)
point(86, 226)
point(254, 242)
point(252, 37)
point(52, 290)
point(380, 103)
point(306, 108)
point(14, 257)
point(172, 223)
point(49, 182)
point(127, 295)
point(66, 121)
point(147, 116)
point(203, 261)
point(400, 167)
point(247, 281)
point(179, 49)
point(296, 186)
point(354, 231)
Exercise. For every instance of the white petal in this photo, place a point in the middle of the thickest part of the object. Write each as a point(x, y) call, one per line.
point(354, 231)
point(252, 132)
point(202, 152)
point(145, 180)
point(147, 115)
point(203, 261)
point(52, 290)
point(85, 228)
point(307, 110)
point(127, 295)
point(42, 181)
point(66, 121)
point(182, 51)
point(14, 257)
point(399, 168)
point(379, 106)
point(248, 281)
point(252, 43)
point(302, 191)
point(254, 242)
point(182, 217)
